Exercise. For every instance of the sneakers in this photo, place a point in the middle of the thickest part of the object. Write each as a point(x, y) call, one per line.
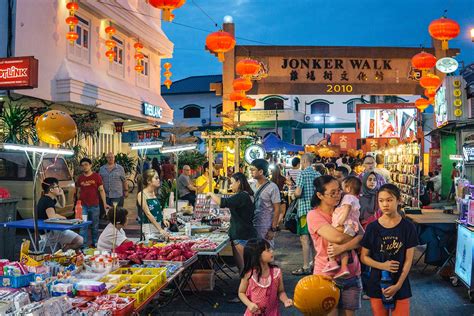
point(342, 273)
point(331, 266)
point(302, 271)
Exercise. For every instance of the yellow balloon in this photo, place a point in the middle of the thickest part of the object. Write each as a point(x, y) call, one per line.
point(316, 295)
point(55, 127)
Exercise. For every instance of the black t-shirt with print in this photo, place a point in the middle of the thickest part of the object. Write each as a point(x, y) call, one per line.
point(44, 203)
point(389, 244)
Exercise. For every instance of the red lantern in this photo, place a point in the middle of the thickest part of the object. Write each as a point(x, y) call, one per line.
point(423, 61)
point(110, 44)
point(444, 29)
point(138, 57)
point(430, 81)
point(72, 36)
point(72, 21)
point(110, 30)
point(237, 96)
point(241, 84)
point(138, 46)
point(430, 93)
point(139, 68)
point(110, 54)
point(247, 67)
point(141, 135)
point(167, 83)
point(167, 6)
point(248, 103)
point(167, 66)
point(421, 104)
point(220, 42)
point(118, 127)
point(156, 133)
point(147, 134)
point(72, 7)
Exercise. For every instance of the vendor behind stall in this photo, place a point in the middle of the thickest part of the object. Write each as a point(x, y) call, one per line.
point(202, 182)
point(242, 211)
point(113, 232)
point(53, 196)
point(152, 214)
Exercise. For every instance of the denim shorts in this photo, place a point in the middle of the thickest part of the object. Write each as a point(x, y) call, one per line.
point(239, 242)
point(351, 293)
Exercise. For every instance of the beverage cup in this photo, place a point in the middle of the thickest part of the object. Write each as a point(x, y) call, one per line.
point(84, 218)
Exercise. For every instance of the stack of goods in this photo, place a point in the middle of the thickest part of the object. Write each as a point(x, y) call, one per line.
point(111, 304)
point(15, 274)
point(19, 303)
point(179, 252)
point(202, 206)
point(89, 288)
point(403, 164)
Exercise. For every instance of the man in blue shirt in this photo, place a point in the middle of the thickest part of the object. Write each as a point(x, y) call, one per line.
point(115, 184)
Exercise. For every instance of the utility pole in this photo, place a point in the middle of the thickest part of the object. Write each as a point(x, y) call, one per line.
point(276, 119)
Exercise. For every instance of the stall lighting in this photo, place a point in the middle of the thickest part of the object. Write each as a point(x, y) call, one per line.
point(173, 149)
point(150, 145)
point(38, 149)
point(332, 118)
point(472, 34)
point(317, 118)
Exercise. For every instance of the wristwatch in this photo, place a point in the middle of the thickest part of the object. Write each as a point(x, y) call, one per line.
point(273, 229)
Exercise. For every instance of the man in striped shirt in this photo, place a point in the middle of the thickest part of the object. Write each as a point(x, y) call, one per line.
point(292, 174)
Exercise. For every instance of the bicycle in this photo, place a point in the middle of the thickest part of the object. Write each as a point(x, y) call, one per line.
point(131, 183)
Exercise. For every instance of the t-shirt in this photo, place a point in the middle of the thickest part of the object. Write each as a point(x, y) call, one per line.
point(203, 179)
point(183, 182)
point(89, 185)
point(168, 171)
point(389, 244)
point(384, 173)
point(354, 214)
point(242, 211)
point(106, 239)
point(264, 205)
point(44, 203)
point(293, 173)
point(317, 219)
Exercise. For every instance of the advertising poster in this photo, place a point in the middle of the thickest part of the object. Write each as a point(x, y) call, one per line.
point(464, 249)
point(388, 123)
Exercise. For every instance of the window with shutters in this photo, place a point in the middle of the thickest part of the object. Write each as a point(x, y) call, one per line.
point(143, 77)
point(79, 50)
point(116, 66)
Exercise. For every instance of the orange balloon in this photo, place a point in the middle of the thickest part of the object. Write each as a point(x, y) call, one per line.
point(55, 127)
point(316, 295)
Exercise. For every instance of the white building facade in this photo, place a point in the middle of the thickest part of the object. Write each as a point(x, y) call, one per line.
point(78, 77)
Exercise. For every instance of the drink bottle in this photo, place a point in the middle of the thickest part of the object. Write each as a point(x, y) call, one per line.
point(385, 282)
point(78, 209)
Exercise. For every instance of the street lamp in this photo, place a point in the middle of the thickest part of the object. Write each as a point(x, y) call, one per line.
point(324, 116)
point(472, 34)
point(35, 155)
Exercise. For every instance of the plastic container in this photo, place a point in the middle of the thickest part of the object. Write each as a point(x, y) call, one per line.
point(115, 278)
point(89, 286)
point(140, 296)
point(128, 271)
point(126, 311)
point(91, 293)
point(17, 281)
point(160, 273)
point(78, 210)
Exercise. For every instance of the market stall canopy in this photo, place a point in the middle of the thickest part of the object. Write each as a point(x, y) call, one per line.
point(272, 142)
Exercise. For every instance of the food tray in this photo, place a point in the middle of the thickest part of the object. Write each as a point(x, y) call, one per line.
point(179, 263)
point(153, 281)
point(126, 311)
point(115, 278)
point(17, 281)
point(158, 273)
point(126, 271)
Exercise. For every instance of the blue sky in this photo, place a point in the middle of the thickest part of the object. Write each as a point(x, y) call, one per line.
point(312, 22)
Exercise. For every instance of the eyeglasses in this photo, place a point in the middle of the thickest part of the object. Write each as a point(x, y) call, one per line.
point(334, 194)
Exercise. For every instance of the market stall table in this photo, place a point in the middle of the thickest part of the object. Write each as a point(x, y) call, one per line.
point(28, 224)
point(442, 226)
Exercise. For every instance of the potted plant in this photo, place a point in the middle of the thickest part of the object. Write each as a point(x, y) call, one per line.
point(18, 122)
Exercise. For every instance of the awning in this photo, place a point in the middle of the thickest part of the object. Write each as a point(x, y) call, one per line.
point(453, 126)
point(272, 142)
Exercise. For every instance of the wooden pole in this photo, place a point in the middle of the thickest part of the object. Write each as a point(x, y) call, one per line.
point(210, 159)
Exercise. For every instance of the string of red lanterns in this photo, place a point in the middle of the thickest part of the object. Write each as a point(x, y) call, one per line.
point(167, 74)
point(138, 56)
point(444, 29)
point(110, 43)
point(220, 42)
point(72, 21)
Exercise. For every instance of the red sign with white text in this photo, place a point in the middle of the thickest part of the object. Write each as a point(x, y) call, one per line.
point(18, 73)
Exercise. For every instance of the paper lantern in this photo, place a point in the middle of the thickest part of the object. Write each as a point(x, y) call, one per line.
point(247, 67)
point(72, 6)
point(430, 81)
point(316, 295)
point(430, 93)
point(110, 43)
point(220, 42)
point(241, 84)
point(55, 127)
point(72, 37)
point(444, 29)
point(72, 21)
point(167, 74)
point(237, 96)
point(248, 103)
point(167, 66)
point(167, 83)
point(421, 104)
point(110, 30)
point(138, 57)
point(139, 68)
point(118, 127)
point(110, 54)
point(423, 61)
point(167, 6)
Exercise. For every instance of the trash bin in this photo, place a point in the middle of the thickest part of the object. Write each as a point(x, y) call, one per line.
point(8, 235)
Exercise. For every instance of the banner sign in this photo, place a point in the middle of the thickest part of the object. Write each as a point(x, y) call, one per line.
point(18, 73)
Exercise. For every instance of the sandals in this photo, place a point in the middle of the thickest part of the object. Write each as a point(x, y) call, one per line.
point(302, 271)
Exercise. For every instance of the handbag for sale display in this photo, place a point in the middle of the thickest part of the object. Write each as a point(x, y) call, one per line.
point(291, 217)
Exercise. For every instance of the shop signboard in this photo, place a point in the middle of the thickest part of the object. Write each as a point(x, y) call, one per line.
point(464, 254)
point(152, 110)
point(253, 152)
point(268, 115)
point(18, 73)
point(451, 101)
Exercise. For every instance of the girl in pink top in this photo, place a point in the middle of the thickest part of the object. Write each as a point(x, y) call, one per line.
point(346, 220)
point(261, 283)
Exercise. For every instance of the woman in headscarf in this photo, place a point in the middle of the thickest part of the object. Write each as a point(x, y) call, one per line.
point(368, 199)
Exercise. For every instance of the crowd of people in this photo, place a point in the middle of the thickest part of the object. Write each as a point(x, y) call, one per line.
point(347, 215)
